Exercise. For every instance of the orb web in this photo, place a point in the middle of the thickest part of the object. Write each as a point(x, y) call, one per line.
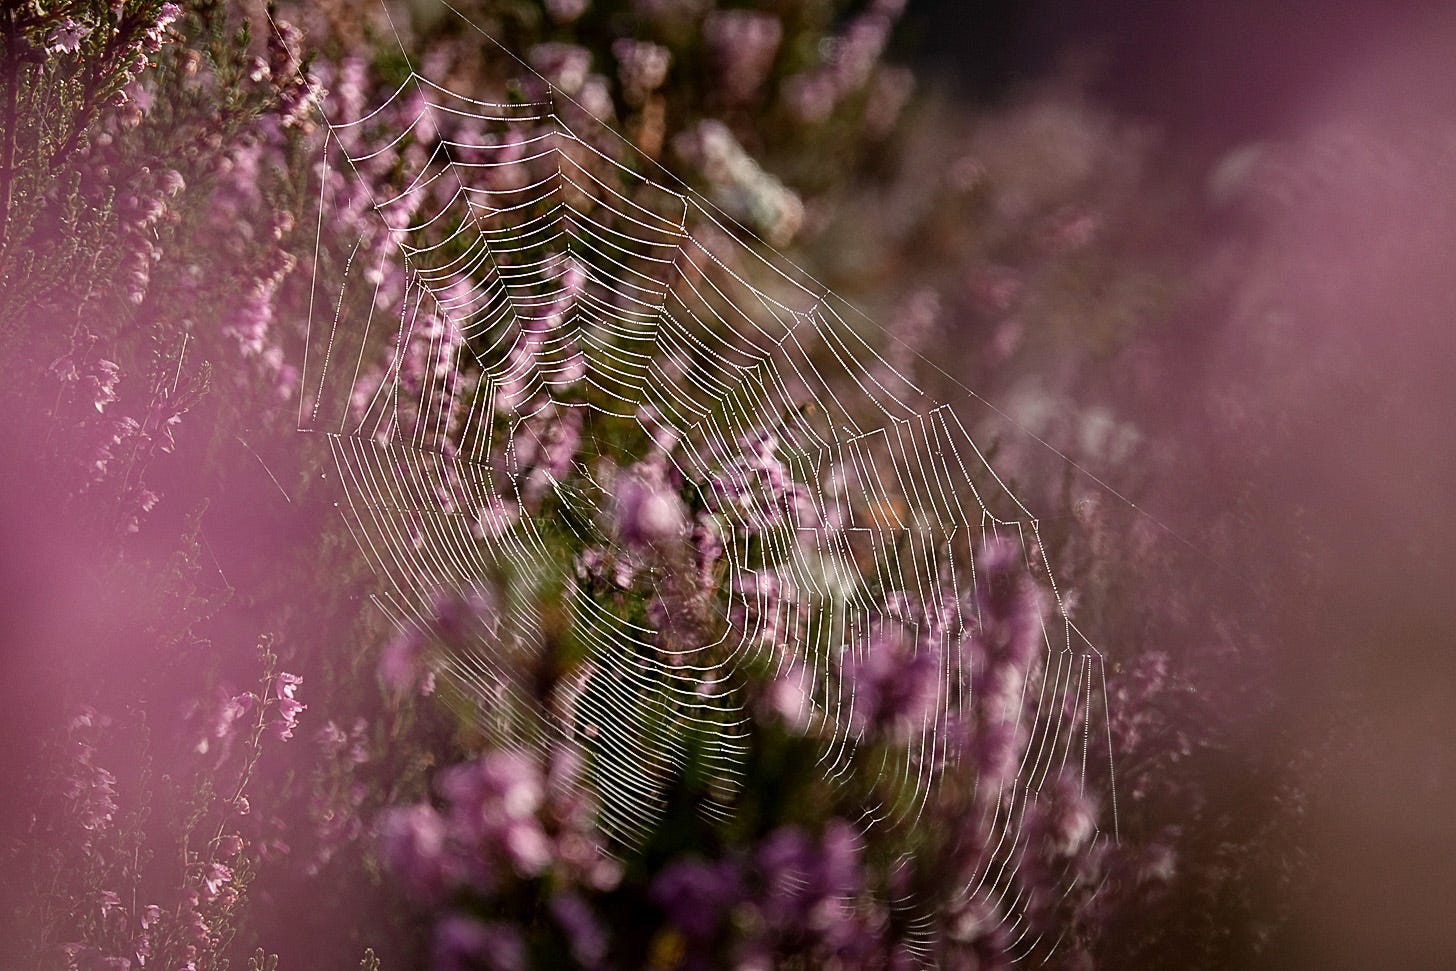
point(530, 277)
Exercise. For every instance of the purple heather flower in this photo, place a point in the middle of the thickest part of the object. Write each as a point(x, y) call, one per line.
point(64, 369)
point(66, 36)
point(400, 663)
point(527, 846)
point(286, 684)
point(811, 95)
point(993, 747)
point(912, 327)
point(101, 383)
point(646, 510)
point(641, 65)
point(413, 845)
point(1010, 604)
point(506, 781)
point(585, 934)
point(889, 93)
point(140, 100)
point(974, 920)
point(229, 714)
point(249, 323)
point(840, 859)
point(332, 738)
point(564, 65)
point(288, 712)
point(297, 99)
point(566, 11)
point(494, 517)
point(462, 944)
point(741, 47)
point(214, 877)
point(543, 451)
point(893, 683)
point(1071, 818)
point(788, 697)
point(664, 436)
point(707, 547)
point(284, 47)
point(172, 182)
point(696, 895)
point(92, 791)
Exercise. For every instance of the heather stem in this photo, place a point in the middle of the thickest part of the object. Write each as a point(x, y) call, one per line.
point(12, 96)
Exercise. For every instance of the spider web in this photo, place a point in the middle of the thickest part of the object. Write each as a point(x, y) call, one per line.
point(541, 276)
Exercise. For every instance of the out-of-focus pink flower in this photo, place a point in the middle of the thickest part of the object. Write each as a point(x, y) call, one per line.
point(741, 47)
point(584, 933)
point(400, 663)
point(646, 511)
point(332, 738)
point(564, 65)
point(891, 683)
point(642, 66)
point(566, 11)
point(788, 697)
point(464, 943)
point(697, 895)
point(413, 846)
point(229, 714)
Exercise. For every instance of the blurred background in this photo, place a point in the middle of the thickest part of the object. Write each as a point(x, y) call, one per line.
point(1321, 394)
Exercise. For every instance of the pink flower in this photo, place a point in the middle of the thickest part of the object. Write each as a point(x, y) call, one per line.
point(565, 11)
point(214, 877)
point(788, 698)
point(400, 663)
point(413, 845)
point(66, 37)
point(288, 712)
point(286, 685)
point(742, 45)
point(228, 715)
point(172, 182)
point(646, 511)
point(108, 900)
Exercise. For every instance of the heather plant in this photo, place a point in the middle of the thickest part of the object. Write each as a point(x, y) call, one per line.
point(177, 186)
point(781, 874)
point(122, 235)
point(117, 885)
